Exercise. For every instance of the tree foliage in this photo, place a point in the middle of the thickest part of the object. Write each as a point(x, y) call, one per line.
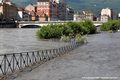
point(70, 29)
point(113, 25)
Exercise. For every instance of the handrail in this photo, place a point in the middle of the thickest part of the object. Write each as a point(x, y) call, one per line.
point(10, 63)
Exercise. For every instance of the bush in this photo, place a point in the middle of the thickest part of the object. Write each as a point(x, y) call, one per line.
point(112, 25)
point(70, 29)
point(65, 38)
point(50, 31)
point(80, 39)
point(88, 27)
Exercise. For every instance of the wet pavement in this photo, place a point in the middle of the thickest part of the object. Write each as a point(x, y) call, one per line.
point(99, 58)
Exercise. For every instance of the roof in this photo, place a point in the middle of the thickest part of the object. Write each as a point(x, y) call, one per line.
point(20, 9)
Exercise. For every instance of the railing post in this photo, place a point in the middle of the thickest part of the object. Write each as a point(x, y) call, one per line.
point(58, 52)
point(38, 56)
point(46, 53)
point(52, 52)
point(49, 54)
point(42, 55)
point(13, 62)
point(5, 62)
point(20, 60)
point(55, 53)
point(27, 59)
point(33, 57)
point(62, 51)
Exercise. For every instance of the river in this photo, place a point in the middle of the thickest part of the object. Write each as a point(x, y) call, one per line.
point(22, 40)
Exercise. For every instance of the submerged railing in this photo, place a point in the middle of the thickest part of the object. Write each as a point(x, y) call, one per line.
point(10, 63)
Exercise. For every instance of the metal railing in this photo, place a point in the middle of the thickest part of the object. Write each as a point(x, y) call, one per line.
point(10, 63)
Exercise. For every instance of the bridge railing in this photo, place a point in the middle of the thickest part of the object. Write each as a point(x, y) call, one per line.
point(15, 62)
point(35, 22)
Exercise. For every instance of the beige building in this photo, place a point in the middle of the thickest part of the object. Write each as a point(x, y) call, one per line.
point(83, 15)
point(88, 15)
point(104, 18)
point(30, 7)
point(24, 15)
point(106, 14)
point(79, 17)
point(31, 10)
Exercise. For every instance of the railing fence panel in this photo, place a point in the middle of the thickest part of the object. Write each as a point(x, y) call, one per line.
point(10, 63)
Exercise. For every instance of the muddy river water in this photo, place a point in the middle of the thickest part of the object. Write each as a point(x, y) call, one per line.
point(21, 40)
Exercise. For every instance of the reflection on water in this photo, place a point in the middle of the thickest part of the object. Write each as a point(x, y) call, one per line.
point(20, 40)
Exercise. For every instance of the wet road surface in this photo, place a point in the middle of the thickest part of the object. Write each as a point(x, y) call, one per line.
point(100, 57)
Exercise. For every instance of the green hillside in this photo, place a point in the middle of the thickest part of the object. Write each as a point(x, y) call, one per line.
point(94, 5)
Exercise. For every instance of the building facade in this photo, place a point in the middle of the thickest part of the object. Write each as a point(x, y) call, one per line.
point(104, 18)
point(31, 10)
point(79, 16)
point(106, 14)
point(114, 15)
point(69, 13)
point(8, 10)
point(23, 15)
point(51, 10)
point(30, 7)
point(47, 10)
point(62, 11)
point(88, 15)
point(107, 11)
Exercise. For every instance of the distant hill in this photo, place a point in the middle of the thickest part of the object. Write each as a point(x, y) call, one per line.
point(94, 5)
point(24, 2)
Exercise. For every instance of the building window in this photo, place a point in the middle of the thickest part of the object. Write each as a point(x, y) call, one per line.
point(47, 3)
